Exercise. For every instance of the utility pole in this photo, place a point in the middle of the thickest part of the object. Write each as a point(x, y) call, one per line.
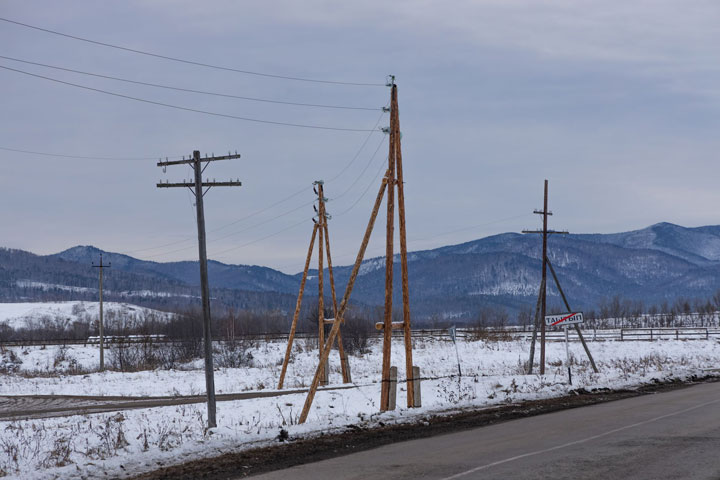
point(196, 188)
point(101, 267)
point(393, 179)
point(320, 228)
point(543, 290)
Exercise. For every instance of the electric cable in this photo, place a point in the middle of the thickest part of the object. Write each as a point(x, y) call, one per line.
point(187, 109)
point(191, 62)
point(190, 90)
point(81, 157)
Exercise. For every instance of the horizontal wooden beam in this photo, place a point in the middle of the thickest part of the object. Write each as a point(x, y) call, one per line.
point(395, 325)
point(204, 184)
point(192, 160)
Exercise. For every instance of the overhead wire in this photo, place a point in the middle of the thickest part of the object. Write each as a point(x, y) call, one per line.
point(187, 109)
point(190, 90)
point(449, 232)
point(80, 157)
point(217, 254)
point(367, 165)
point(283, 200)
point(190, 62)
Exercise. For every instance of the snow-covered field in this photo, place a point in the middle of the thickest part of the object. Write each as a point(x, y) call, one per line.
point(64, 314)
point(121, 444)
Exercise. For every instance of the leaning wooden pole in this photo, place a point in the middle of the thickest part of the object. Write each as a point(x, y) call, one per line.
point(577, 327)
point(341, 348)
point(403, 250)
point(298, 304)
point(536, 320)
point(343, 304)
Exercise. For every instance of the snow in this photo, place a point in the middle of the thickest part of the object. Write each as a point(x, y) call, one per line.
point(24, 315)
point(69, 288)
point(509, 287)
point(95, 445)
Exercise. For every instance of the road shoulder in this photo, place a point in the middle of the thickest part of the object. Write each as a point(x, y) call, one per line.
point(356, 438)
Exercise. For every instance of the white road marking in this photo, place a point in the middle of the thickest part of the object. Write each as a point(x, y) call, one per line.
point(577, 442)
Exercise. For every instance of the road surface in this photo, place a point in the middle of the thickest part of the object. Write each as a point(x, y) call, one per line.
point(670, 435)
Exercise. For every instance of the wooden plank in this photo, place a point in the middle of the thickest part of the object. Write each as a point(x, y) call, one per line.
point(394, 325)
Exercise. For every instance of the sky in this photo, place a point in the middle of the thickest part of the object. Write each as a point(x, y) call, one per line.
point(617, 104)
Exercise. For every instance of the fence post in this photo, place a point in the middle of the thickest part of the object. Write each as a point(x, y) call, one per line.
point(392, 397)
point(416, 386)
point(347, 369)
point(622, 338)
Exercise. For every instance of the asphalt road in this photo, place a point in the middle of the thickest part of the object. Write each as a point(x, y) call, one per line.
point(670, 435)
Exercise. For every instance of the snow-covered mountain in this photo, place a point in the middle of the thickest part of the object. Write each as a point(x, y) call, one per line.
point(655, 264)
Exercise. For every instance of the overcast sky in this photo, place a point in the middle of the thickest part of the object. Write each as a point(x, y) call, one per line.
point(617, 104)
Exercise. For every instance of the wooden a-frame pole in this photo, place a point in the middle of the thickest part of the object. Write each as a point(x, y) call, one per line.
point(320, 229)
point(396, 179)
point(343, 304)
point(393, 177)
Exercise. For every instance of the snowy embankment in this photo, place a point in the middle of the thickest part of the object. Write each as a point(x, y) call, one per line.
point(121, 444)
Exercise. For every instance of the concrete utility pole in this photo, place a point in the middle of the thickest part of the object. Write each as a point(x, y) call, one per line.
point(543, 290)
point(101, 267)
point(196, 188)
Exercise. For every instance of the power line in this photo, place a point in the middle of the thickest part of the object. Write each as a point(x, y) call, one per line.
point(275, 218)
point(81, 157)
point(263, 238)
point(187, 109)
point(283, 200)
point(365, 191)
point(190, 90)
point(362, 147)
point(191, 62)
point(448, 232)
point(367, 165)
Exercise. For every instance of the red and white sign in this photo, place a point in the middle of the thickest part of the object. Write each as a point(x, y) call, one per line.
point(570, 318)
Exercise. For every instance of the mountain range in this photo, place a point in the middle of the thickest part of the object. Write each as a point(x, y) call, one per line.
point(659, 263)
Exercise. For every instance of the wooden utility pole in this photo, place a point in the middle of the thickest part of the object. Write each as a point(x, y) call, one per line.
point(543, 290)
point(101, 267)
point(393, 178)
point(196, 188)
point(320, 229)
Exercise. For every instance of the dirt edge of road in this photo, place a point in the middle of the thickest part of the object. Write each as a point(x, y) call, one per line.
point(356, 438)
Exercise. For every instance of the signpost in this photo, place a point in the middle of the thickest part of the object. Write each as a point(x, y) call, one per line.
point(453, 335)
point(565, 319)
